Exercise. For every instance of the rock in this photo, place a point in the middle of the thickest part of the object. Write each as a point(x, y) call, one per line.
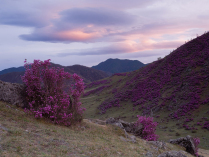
point(160, 145)
point(186, 142)
point(97, 121)
point(111, 120)
point(4, 128)
point(131, 139)
point(149, 154)
point(13, 93)
point(127, 127)
point(172, 154)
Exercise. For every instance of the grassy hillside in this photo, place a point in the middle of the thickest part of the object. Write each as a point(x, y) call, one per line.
point(22, 135)
point(174, 90)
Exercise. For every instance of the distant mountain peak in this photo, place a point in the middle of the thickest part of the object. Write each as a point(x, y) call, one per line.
point(119, 65)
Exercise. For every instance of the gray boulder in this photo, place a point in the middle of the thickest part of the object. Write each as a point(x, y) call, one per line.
point(158, 144)
point(127, 127)
point(186, 142)
point(13, 93)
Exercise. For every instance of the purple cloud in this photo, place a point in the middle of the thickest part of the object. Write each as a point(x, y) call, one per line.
point(96, 16)
point(23, 18)
point(81, 25)
point(99, 51)
point(112, 49)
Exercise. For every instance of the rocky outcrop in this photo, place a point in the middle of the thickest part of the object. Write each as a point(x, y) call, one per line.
point(158, 144)
point(186, 142)
point(172, 154)
point(97, 121)
point(127, 127)
point(13, 93)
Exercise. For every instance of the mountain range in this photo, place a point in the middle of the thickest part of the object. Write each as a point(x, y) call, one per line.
point(88, 74)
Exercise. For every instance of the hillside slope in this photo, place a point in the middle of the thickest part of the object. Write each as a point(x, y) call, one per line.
point(117, 65)
point(23, 135)
point(174, 90)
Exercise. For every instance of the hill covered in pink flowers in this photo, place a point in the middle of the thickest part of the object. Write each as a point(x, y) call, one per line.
point(175, 88)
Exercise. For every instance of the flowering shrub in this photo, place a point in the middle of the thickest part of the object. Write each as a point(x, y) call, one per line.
point(50, 102)
point(189, 119)
point(206, 125)
point(198, 123)
point(114, 90)
point(196, 142)
point(148, 132)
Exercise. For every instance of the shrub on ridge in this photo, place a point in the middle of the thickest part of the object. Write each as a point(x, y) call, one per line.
point(51, 102)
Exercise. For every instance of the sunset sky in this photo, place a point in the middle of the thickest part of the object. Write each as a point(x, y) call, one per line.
point(87, 32)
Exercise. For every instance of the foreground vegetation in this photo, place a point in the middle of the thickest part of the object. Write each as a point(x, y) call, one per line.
point(23, 135)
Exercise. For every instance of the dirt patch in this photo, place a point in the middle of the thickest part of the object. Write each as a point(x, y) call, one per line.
point(203, 152)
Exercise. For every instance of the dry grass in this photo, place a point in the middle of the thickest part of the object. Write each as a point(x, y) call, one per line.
point(27, 136)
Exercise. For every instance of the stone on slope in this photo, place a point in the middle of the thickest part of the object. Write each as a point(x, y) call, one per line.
point(13, 93)
point(127, 127)
point(158, 144)
point(186, 142)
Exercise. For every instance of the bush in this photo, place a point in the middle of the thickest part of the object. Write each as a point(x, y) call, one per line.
point(206, 125)
point(196, 142)
point(51, 102)
point(148, 132)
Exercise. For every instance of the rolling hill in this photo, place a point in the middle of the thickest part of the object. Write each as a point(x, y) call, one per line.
point(12, 75)
point(113, 66)
point(12, 69)
point(174, 90)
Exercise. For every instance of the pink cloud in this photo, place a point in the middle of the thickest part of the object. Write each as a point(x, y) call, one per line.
point(75, 35)
point(128, 47)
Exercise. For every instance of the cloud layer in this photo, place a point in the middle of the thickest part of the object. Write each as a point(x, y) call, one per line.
point(82, 25)
point(99, 28)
